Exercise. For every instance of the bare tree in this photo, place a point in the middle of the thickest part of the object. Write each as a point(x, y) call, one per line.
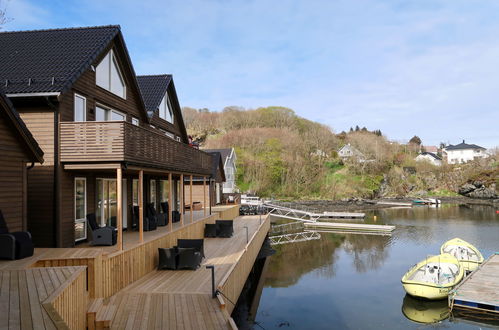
point(4, 19)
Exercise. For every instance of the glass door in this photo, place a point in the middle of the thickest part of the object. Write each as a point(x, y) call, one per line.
point(107, 205)
point(80, 196)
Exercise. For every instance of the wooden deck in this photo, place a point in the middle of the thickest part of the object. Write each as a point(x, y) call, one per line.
point(480, 290)
point(28, 298)
point(186, 295)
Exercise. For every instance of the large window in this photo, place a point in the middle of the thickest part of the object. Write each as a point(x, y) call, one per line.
point(152, 191)
point(165, 109)
point(135, 192)
point(108, 75)
point(107, 114)
point(80, 209)
point(80, 108)
point(164, 190)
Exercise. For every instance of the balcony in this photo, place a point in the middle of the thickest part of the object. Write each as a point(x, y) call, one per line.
point(91, 142)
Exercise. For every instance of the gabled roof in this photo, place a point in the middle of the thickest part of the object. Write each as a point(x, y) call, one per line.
point(42, 61)
point(217, 165)
point(430, 154)
point(225, 153)
point(20, 127)
point(462, 146)
point(153, 89)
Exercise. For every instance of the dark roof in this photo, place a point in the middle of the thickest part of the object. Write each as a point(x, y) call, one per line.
point(23, 131)
point(153, 89)
point(432, 155)
point(217, 165)
point(463, 145)
point(224, 152)
point(50, 60)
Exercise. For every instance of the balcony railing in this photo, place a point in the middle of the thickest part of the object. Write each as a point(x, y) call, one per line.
point(93, 141)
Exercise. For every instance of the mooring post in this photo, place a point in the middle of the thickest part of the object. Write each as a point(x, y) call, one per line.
point(213, 292)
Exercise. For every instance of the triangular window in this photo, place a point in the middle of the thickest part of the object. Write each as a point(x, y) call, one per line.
point(108, 75)
point(166, 109)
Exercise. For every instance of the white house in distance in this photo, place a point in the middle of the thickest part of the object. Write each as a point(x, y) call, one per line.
point(463, 152)
point(349, 151)
point(229, 160)
point(429, 157)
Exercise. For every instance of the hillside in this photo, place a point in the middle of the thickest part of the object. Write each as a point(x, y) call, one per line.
point(281, 154)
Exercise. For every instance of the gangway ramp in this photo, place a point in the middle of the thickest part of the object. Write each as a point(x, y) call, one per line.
point(295, 237)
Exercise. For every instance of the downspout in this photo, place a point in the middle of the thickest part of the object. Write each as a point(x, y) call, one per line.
point(56, 188)
point(31, 166)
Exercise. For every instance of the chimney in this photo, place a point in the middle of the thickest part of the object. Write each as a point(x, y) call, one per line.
point(463, 141)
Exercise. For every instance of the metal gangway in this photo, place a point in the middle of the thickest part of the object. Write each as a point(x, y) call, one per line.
point(295, 237)
point(289, 213)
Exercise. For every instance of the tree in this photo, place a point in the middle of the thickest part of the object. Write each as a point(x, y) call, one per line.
point(357, 128)
point(4, 19)
point(415, 140)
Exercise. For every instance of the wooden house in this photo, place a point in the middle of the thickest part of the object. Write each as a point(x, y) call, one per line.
point(109, 142)
point(216, 180)
point(18, 151)
point(229, 160)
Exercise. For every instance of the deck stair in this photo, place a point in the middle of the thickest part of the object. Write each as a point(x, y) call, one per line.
point(99, 315)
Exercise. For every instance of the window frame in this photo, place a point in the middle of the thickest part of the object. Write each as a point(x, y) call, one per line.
point(113, 60)
point(135, 121)
point(76, 95)
point(109, 110)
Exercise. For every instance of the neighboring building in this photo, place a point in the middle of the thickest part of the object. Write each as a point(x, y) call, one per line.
point(215, 182)
point(432, 149)
point(429, 157)
point(349, 151)
point(463, 152)
point(229, 159)
point(77, 92)
point(18, 149)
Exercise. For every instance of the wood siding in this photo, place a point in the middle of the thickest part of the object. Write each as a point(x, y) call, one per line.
point(13, 158)
point(198, 193)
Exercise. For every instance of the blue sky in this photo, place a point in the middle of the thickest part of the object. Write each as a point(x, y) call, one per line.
point(424, 67)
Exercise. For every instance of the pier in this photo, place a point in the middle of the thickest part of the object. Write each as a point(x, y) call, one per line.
point(349, 227)
point(301, 215)
point(479, 292)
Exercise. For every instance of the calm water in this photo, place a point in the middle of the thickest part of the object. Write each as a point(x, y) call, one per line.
point(353, 281)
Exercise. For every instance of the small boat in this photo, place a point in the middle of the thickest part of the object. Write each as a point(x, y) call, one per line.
point(434, 277)
point(468, 256)
point(429, 201)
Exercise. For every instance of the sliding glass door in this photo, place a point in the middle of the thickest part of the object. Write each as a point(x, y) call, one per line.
point(80, 203)
point(107, 207)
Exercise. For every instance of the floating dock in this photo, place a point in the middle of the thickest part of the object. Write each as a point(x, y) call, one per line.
point(301, 215)
point(479, 292)
point(341, 215)
point(349, 227)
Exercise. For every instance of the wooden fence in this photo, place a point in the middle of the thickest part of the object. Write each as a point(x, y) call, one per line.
point(226, 212)
point(233, 282)
point(67, 305)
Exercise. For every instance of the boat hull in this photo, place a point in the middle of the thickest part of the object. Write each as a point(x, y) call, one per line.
point(426, 291)
point(463, 258)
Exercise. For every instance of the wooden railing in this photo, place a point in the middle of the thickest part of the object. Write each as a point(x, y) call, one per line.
point(226, 212)
point(67, 306)
point(233, 282)
point(123, 142)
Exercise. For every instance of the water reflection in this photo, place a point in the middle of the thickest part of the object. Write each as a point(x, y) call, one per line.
point(368, 251)
point(422, 311)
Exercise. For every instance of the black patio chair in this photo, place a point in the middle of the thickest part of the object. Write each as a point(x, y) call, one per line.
point(168, 258)
point(189, 258)
point(161, 218)
point(210, 230)
point(149, 223)
point(176, 216)
point(197, 244)
point(165, 208)
point(101, 235)
point(225, 228)
point(16, 245)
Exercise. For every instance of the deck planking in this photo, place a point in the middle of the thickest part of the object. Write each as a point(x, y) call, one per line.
point(480, 290)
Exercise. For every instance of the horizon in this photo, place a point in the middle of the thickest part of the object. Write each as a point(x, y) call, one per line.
point(406, 68)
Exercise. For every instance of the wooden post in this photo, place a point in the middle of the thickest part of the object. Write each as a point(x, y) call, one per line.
point(204, 195)
point(170, 202)
point(190, 195)
point(141, 206)
point(119, 211)
point(182, 199)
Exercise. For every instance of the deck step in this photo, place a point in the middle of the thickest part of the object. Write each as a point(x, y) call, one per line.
point(104, 317)
point(94, 305)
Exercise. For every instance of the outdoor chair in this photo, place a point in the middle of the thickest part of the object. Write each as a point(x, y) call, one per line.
point(16, 245)
point(149, 223)
point(176, 216)
point(210, 230)
point(101, 235)
point(168, 258)
point(166, 210)
point(161, 218)
point(225, 228)
point(197, 244)
point(189, 258)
